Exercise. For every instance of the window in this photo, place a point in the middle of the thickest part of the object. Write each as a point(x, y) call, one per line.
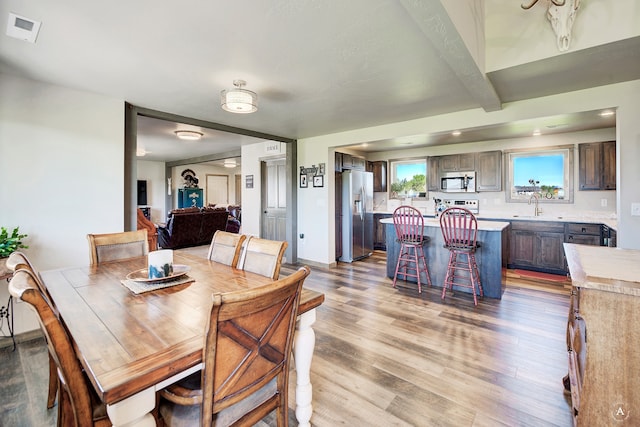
point(408, 177)
point(545, 172)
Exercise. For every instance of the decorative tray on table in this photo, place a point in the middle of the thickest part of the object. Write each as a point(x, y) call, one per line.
point(142, 275)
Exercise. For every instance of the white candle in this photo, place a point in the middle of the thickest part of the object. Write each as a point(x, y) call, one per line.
point(160, 263)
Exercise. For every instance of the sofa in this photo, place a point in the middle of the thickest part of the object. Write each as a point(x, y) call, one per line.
point(192, 227)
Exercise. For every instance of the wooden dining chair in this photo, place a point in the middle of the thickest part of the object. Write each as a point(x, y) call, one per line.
point(225, 247)
point(246, 357)
point(78, 404)
point(19, 261)
point(113, 246)
point(263, 256)
point(152, 231)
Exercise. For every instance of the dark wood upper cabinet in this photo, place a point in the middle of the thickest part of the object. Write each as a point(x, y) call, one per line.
point(379, 169)
point(489, 171)
point(433, 173)
point(609, 165)
point(487, 164)
point(352, 162)
point(457, 162)
point(597, 165)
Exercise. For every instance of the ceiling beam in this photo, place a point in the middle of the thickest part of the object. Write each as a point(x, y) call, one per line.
point(432, 18)
point(210, 125)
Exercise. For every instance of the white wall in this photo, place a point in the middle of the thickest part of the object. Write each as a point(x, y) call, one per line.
point(318, 223)
point(252, 156)
point(527, 36)
point(61, 171)
point(153, 173)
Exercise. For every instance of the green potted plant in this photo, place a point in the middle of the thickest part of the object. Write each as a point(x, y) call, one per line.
point(9, 243)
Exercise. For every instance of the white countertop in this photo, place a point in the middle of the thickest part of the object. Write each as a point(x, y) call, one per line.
point(609, 222)
point(482, 225)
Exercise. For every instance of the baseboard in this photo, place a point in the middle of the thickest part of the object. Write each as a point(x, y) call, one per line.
point(23, 337)
point(316, 264)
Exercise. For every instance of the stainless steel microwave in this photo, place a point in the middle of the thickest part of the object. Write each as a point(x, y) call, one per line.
point(458, 182)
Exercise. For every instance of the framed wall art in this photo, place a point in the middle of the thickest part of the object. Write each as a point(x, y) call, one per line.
point(318, 181)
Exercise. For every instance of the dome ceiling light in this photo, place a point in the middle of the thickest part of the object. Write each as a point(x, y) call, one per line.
point(239, 100)
point(230, 163)
point(189, 135)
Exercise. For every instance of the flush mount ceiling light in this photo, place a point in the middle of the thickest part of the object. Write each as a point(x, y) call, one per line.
point(456, 133)
point(239, 100)
point(189, 135)
point(230, 163)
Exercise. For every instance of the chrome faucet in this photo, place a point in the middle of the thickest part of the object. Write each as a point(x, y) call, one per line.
point(537, 211)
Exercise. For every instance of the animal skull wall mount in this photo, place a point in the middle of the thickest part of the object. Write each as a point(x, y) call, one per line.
point(561, 14)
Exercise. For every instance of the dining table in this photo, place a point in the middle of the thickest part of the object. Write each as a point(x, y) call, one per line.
point(131, 345)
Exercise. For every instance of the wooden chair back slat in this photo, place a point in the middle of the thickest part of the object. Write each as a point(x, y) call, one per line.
point(225, 247)
point(114, 246)
point(263, 256)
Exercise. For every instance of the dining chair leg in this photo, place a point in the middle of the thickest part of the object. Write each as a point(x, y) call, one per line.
point(395, 276)
point(448, 279)
point(53, 383)
point(417, 267)
point(477, 272)
point(475, 277)
point(424, 264)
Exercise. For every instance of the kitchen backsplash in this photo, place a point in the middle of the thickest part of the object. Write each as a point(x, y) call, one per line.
point(600, 204)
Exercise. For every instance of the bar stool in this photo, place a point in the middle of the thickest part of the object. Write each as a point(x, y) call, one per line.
point(409, 225)
point(459, 230)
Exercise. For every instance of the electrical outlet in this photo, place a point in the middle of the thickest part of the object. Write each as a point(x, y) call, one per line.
point(603, 203)
point(635, 209)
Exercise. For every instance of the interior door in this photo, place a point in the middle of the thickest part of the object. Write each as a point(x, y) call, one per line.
point(274, 200)
point(217, 189)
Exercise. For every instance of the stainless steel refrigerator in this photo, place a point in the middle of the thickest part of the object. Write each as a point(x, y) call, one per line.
point(357, 215)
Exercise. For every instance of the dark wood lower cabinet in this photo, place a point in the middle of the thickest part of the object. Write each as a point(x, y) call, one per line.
point(537, 246)
point(379, 235)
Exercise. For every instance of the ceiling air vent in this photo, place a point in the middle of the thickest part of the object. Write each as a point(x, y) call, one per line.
point(22, 28)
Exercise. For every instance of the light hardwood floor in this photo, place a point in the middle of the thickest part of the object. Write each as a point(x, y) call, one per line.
point(393, 357)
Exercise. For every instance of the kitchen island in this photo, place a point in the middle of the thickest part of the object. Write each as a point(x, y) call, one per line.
point(491, 256)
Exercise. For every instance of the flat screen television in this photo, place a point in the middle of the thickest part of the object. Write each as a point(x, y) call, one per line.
point(142, 193)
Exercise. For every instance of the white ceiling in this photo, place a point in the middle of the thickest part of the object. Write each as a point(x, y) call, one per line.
point(318, 67)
